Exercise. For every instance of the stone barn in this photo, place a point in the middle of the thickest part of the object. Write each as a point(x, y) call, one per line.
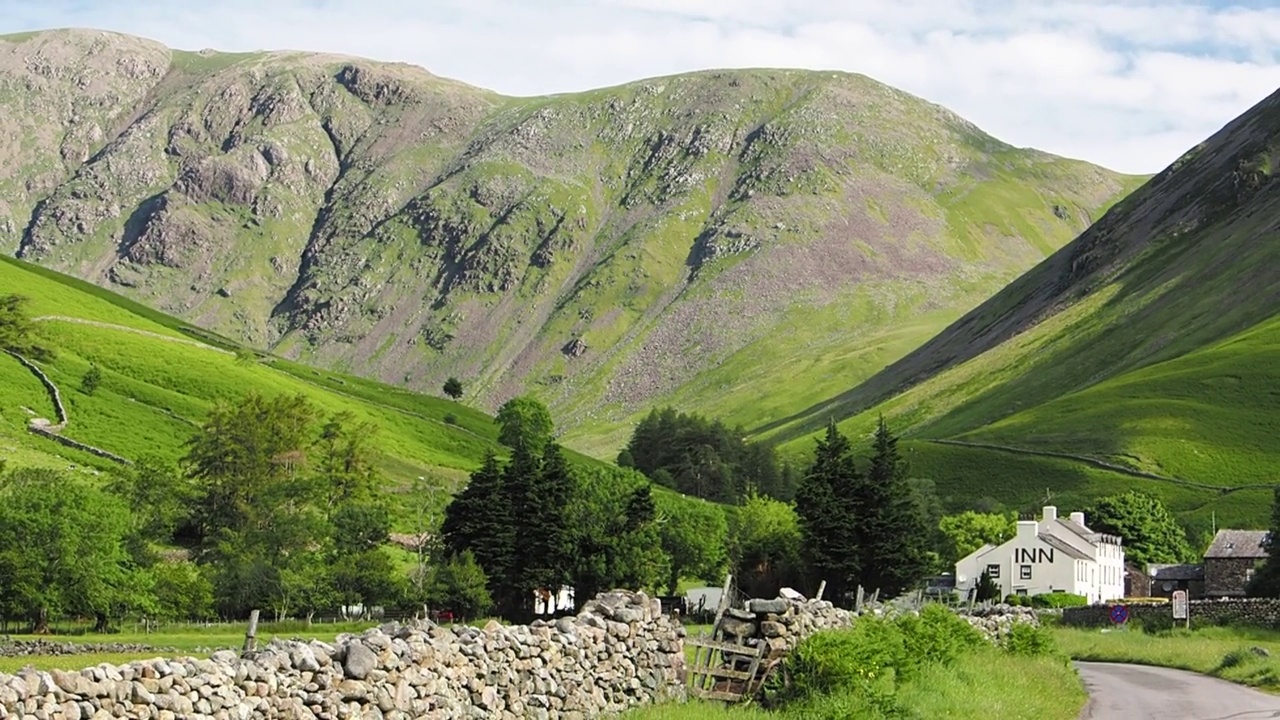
point(1231, 560)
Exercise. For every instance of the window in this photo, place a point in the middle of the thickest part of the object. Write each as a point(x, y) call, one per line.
point(1024, 572)
point(993, 570)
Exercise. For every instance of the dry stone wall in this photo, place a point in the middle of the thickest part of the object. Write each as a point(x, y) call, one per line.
point(618, 653)
point(1259, 612)
point(783, 623)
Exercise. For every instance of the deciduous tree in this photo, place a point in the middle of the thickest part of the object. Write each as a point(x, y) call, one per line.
point(453, 388)
point(1266, 581)
point(61, 548)
point(525, 422)
point(764, 545)
point(460, 586)
point(16, 329)
point(969, 530)
point(694, 537)
point(1149, 530)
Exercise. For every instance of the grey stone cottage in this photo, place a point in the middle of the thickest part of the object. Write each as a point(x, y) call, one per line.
point(1231, 560)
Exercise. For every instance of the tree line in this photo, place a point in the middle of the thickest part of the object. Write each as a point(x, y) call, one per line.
point(705, 458)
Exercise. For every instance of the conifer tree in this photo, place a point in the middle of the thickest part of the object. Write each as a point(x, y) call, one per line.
point(893, 533)
point(547, 542)
point(829, 525)
point(479, 519)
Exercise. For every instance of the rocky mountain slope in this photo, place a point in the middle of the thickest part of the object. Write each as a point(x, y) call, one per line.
point(1151, 342)
point(744, 243)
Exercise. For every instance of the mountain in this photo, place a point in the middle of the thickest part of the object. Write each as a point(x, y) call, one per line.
point(740, 243)
point(1151, 343)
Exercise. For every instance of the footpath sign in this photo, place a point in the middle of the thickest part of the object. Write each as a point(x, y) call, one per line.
point(1119, 614)
point(1181, 609)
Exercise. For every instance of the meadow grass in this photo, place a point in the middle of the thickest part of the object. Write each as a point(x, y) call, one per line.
point(1224, 652)
point(171, 641)
point(159, 383)
point(988, 683)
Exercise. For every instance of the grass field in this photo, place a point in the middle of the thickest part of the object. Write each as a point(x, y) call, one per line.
point(160, 377)
point(1225, 652)
point(988, 684)
point(172, 641)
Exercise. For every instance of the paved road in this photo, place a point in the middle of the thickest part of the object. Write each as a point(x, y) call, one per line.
point(1136, 692)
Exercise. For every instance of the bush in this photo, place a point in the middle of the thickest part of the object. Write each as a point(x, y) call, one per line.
point(450, 419)
point(860, 657)
point(862, 665)
point(1030, 640)
point(1014, 600)
point(1058, 600)
point(91, 380)
point(937, 636)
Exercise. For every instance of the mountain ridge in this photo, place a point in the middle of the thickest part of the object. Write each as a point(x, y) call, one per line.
point(675, 239)
point(1149, 342)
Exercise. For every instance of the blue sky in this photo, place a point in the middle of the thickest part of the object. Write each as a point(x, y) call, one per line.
point(1130, 85)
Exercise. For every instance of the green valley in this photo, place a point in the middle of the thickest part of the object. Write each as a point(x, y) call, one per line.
point(1149, 344)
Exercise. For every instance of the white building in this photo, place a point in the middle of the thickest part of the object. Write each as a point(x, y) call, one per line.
point(1049, 555)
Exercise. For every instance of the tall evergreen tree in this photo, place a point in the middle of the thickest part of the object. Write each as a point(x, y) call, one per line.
point(893, 533)
point(825, 509)
point(520, 479)
point(479, 519)
point(547, 542)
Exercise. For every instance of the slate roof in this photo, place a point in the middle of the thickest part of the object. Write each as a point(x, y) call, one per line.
point(1079, 529)
point(1169, 571)
point(1064, 546)
point(1237, 544)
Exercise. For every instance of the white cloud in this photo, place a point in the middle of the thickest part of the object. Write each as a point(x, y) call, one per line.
point(1128, 84)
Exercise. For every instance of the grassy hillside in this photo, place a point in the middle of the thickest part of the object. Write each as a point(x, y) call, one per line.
point(744, 243)
point(1151, 343)
point(159, 377)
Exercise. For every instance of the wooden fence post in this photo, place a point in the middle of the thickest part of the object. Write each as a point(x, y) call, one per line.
point(251, 635)
point(822, 587)
point(722, 605)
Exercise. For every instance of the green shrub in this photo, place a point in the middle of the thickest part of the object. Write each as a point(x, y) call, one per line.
point(1027, 639)
point(1058, 600)
point(1014, 600)
point(936, 636)
point(450, 419)
point(859, 658)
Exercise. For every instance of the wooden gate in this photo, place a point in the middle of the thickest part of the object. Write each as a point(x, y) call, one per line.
point(725, 671)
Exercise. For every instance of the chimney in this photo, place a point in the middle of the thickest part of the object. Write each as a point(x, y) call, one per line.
point(1027, 529)
point(1050, 513)
point(1077, 518)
